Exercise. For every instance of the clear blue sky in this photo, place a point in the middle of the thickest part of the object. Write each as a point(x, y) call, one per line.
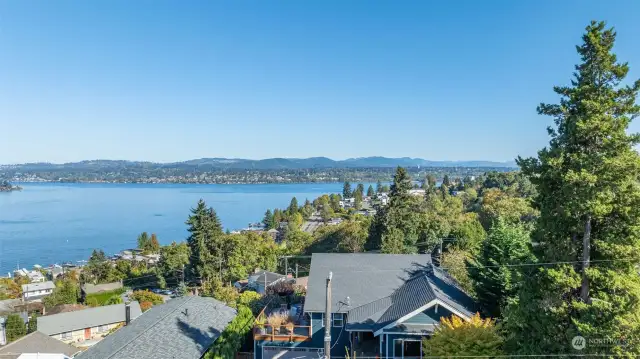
point(176, 80)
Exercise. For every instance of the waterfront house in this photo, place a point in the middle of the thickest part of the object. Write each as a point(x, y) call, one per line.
point(182, 328)
point(35, 291)
point(34, 276)
point(55, 271)
point(88, 324)
point(37, 345)
point(382, 305)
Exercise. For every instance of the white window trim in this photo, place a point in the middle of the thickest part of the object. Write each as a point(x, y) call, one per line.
point(404, 340)
point(333, 320)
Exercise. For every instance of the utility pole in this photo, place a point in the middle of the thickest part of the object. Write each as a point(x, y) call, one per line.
point(183, 274)
point(327, 320)
point(286, 266)
point(296, 270)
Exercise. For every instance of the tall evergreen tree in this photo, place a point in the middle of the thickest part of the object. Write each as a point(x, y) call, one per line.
point(589, 201)
point(346, 190)
point(205, 242)
point(379, 187)
point(398, 230)
point(268, 219)
point(360, 188)
point(370, 191)
point(293, 206)
point(357, 199)
point(494, 271)
point(446, 181)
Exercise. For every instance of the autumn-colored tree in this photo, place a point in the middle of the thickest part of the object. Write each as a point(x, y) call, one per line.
point(455, 337)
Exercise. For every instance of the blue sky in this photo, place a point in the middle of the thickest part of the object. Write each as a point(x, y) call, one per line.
point(176, 80)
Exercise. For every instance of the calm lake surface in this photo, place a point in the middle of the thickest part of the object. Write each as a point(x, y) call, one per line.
point(50, 223)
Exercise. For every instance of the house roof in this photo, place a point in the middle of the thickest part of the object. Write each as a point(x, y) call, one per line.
point(271, 277)
point(97, 288)
point(65, 308)
point(377, 290)
point(37, 342)
point(363, 277)
point(7, 305)
point(182, 328)
point(88, 318)
point(38, 286)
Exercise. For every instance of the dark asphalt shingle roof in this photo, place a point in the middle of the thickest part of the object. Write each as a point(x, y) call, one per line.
point(87, 318)
point(37, 342)
point(363, 277)
point(381, 288)
point(182, 328)
point(259, 277)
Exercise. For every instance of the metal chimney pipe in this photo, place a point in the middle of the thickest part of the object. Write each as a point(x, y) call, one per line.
point(127, 314)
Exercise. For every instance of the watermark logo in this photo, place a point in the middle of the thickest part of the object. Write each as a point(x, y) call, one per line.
point(578, 342)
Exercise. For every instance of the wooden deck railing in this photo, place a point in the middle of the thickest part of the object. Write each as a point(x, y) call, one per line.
point(285, 333)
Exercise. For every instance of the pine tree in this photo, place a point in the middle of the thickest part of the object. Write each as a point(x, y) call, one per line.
point(494, 270)
point(346, 190)
point(357, 199)
point(360, 189)
point(446, 181)
point(205, 241)
point(293, 206)
point(379, 187)
point(143, 241)
point(589, 202)
point(370, 191)
point(398, 230)
point(268, 219)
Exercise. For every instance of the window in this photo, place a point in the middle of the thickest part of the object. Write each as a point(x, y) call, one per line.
point(67, 335)
point(103, 328)
point(337, 320)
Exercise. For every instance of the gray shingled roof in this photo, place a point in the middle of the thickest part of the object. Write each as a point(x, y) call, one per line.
point(38, 286)
point(271, 277)
point(87, 318)
point(381, 288)
point(363, 277)
point(37, 342)
point(182, 328)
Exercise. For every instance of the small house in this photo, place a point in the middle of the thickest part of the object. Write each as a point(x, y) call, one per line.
point(35, 291)
point(35, 276)
point(88, 324)
point(382, 306)
point(182, 328)
point(37, 345)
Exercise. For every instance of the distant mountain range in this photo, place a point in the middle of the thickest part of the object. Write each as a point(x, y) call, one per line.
point(264, 164)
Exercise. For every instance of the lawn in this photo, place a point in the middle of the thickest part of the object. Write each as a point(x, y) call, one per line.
point(100, 299)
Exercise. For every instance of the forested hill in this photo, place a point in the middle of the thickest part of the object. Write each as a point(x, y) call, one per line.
point(222, 170)
point(264, 164)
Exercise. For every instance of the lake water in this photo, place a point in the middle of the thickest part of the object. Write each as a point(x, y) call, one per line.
point(50, 223)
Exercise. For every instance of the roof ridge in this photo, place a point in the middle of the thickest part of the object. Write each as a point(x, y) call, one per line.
point(150, 326)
